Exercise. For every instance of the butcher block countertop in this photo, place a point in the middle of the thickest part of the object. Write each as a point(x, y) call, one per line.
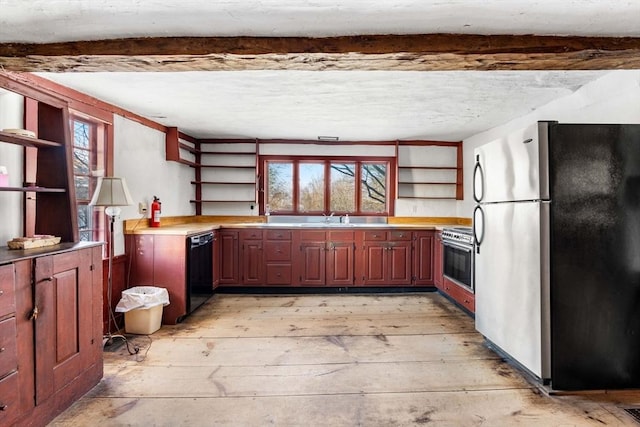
point(190, 225)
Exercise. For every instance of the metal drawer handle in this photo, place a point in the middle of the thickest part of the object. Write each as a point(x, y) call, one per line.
point(3, 407)
point(2, 349)
point(1, 293)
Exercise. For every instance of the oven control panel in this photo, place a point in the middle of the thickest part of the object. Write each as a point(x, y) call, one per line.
point(463, 235)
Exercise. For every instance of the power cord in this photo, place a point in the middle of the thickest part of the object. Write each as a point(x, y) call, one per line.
point(109, 337)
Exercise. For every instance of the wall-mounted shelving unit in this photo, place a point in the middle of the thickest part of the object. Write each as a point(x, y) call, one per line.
point(429, 170)
point(49, 192)
point(228, 174)
point(225, 170)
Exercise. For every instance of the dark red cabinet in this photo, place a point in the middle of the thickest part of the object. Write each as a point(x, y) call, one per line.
point(311, 258)
point(229, 257)
point(277, 255)
point(252, 257)
point(385, 259)
point(326, 257)
point(161, 260)
point(423, 251)
point(340, 262)
point(51, 344)
point(437, 260)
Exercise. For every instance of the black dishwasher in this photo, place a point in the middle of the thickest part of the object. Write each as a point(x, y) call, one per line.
point(199, 270)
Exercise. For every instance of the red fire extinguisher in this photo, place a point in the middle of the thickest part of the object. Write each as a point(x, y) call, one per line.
point(156, 207)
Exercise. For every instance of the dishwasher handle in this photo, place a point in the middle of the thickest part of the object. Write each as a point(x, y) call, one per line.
point(200, 240)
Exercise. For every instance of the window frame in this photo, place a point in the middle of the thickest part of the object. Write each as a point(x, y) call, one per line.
point(390, 163)
point(100, 152)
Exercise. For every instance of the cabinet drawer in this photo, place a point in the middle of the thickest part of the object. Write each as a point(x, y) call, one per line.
point(313, 235)
point(463, 297)
point(9, 399)
point(398, 235)
point(278, 235)
point(375, 235)
point(7, 290)
point(277, 251)
point(345, 236)
point(278, 274)
point(8, 355)
point(249, 234)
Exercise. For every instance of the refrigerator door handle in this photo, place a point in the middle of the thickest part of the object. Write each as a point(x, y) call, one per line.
point(478, 181)
point(478, 222)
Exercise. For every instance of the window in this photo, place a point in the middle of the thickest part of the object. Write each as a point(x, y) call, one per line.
point(88, 163)
point(313, 186)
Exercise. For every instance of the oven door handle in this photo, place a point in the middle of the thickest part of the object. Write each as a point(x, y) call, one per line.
point(457, 246)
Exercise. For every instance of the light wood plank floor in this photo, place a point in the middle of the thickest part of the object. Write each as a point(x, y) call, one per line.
point(327, 360)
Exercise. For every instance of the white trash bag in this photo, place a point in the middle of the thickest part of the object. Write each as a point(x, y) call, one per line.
point(142, 297)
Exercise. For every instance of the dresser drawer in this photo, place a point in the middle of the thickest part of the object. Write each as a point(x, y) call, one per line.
point(9, 399)
point(375, 235)
point(250, 234)
point(278, 235)
point(8, 348)
point(278, 274)
point(277, 251)
point(399, 235)
point(7, 290)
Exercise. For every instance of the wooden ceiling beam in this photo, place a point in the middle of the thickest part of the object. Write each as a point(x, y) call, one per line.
point(425, 52)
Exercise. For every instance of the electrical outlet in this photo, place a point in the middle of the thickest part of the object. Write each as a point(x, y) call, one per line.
point(142, 208)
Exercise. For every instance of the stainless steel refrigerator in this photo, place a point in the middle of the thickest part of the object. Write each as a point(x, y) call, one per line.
point(557, 262)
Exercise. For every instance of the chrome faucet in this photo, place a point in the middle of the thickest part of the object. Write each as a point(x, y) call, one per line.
point(327, 218)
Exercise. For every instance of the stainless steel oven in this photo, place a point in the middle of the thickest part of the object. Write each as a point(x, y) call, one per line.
point(457, 260)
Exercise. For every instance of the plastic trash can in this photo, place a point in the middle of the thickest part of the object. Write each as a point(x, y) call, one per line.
point(142, 308)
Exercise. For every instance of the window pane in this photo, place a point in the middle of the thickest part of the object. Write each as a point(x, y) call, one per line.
point(85, 215)
point(373, 187)
point(311, 180)
point(81, 159)
point(280, 186)
point(82, 187)
point(81, 134)
point(343, 188)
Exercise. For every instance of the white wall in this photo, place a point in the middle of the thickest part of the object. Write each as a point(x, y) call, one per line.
point(404, 207)
point(139, 157)
point(614, 98)
point(11, 156)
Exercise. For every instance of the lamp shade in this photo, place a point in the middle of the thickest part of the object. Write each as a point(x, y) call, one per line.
point(111, 191)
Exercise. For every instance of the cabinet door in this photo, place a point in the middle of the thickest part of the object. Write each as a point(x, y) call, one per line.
point(169, 272)
point(423, 257)
point(399, 263)
point(252, 263)
point(141, 248)
point(437, 261)
point(7, 290)
point(229, 258)
point(374, 265)
point(63, 326)
point(216, 259)
point(340, 264)
point(312, 264)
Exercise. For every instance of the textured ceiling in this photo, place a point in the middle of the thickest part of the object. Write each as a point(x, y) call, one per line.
point(354, 105)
